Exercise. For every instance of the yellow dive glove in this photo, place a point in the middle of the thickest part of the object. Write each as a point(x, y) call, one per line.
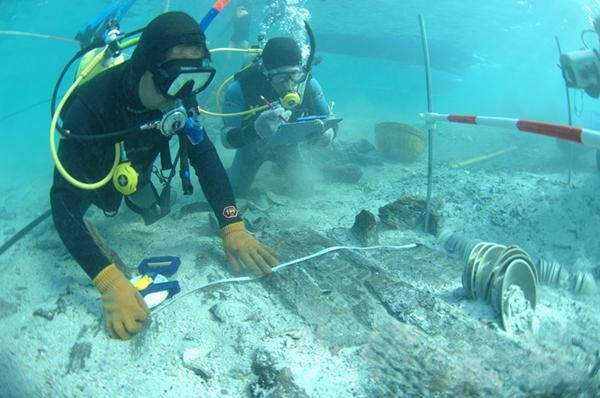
point(244, 251)
point(124, 308)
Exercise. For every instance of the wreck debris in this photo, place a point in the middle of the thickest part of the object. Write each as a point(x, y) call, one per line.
point(192, 208)
point(275, 199)
point(45, 313)
point(194, 359)
point(7, 308)
point(361, 153)
point(408, 212)
point(271, 381)
point(78, 355)
point(365, 228)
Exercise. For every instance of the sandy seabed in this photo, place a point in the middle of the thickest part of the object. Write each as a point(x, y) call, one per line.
point(348, 324)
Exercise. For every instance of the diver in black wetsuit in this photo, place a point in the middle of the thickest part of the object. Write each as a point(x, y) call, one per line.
point(279, 73)
point(169, 64)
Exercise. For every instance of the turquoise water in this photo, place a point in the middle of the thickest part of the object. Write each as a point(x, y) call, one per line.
point(492, 58)
point(514, 41)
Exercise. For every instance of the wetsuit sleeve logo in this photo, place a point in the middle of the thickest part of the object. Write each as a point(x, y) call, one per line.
point(230, 212)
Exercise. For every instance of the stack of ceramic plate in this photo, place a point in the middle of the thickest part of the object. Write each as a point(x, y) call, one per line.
point(553, 274)
point(550, 272)
point(480, 262)
point(495, 273)
point(582, 283)
point(457, 244)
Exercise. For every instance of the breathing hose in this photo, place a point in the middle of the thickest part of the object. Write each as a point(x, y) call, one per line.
point(236, 50)
point(53, 151)
point(219, 92)
point(222, 86)
point(24, 231)
point(38, 35)
point(66, 68)
point(56, 113)
point(244, 113)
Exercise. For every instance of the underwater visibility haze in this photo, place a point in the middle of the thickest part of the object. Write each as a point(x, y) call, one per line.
point(300, 198)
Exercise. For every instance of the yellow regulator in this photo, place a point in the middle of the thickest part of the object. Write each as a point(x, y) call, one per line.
point(291, 100)
point(125, 178)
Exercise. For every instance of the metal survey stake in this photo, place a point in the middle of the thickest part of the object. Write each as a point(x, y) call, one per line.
point(430, 127)
point(568, 98)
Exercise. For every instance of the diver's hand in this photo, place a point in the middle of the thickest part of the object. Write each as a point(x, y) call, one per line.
point(243, 251)
point(124, 308)
point(326, 138)
point(269, 121)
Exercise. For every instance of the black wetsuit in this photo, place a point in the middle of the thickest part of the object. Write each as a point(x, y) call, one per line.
point(106, 104)
point(250, 90)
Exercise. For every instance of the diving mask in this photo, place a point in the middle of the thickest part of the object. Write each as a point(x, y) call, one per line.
point(286, 74)
point(290, 82)
point(180, 78)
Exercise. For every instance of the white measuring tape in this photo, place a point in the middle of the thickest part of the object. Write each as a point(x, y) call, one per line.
point(279, 268)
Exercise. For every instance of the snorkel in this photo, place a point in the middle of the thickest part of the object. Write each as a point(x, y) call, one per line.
point(294, 98)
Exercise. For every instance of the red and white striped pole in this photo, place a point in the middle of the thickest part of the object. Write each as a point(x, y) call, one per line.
point(586, 137)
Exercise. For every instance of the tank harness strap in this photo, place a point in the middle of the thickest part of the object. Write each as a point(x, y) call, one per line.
point(184, 166)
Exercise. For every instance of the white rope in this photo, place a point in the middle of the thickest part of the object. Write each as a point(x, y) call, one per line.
point(279, 268)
